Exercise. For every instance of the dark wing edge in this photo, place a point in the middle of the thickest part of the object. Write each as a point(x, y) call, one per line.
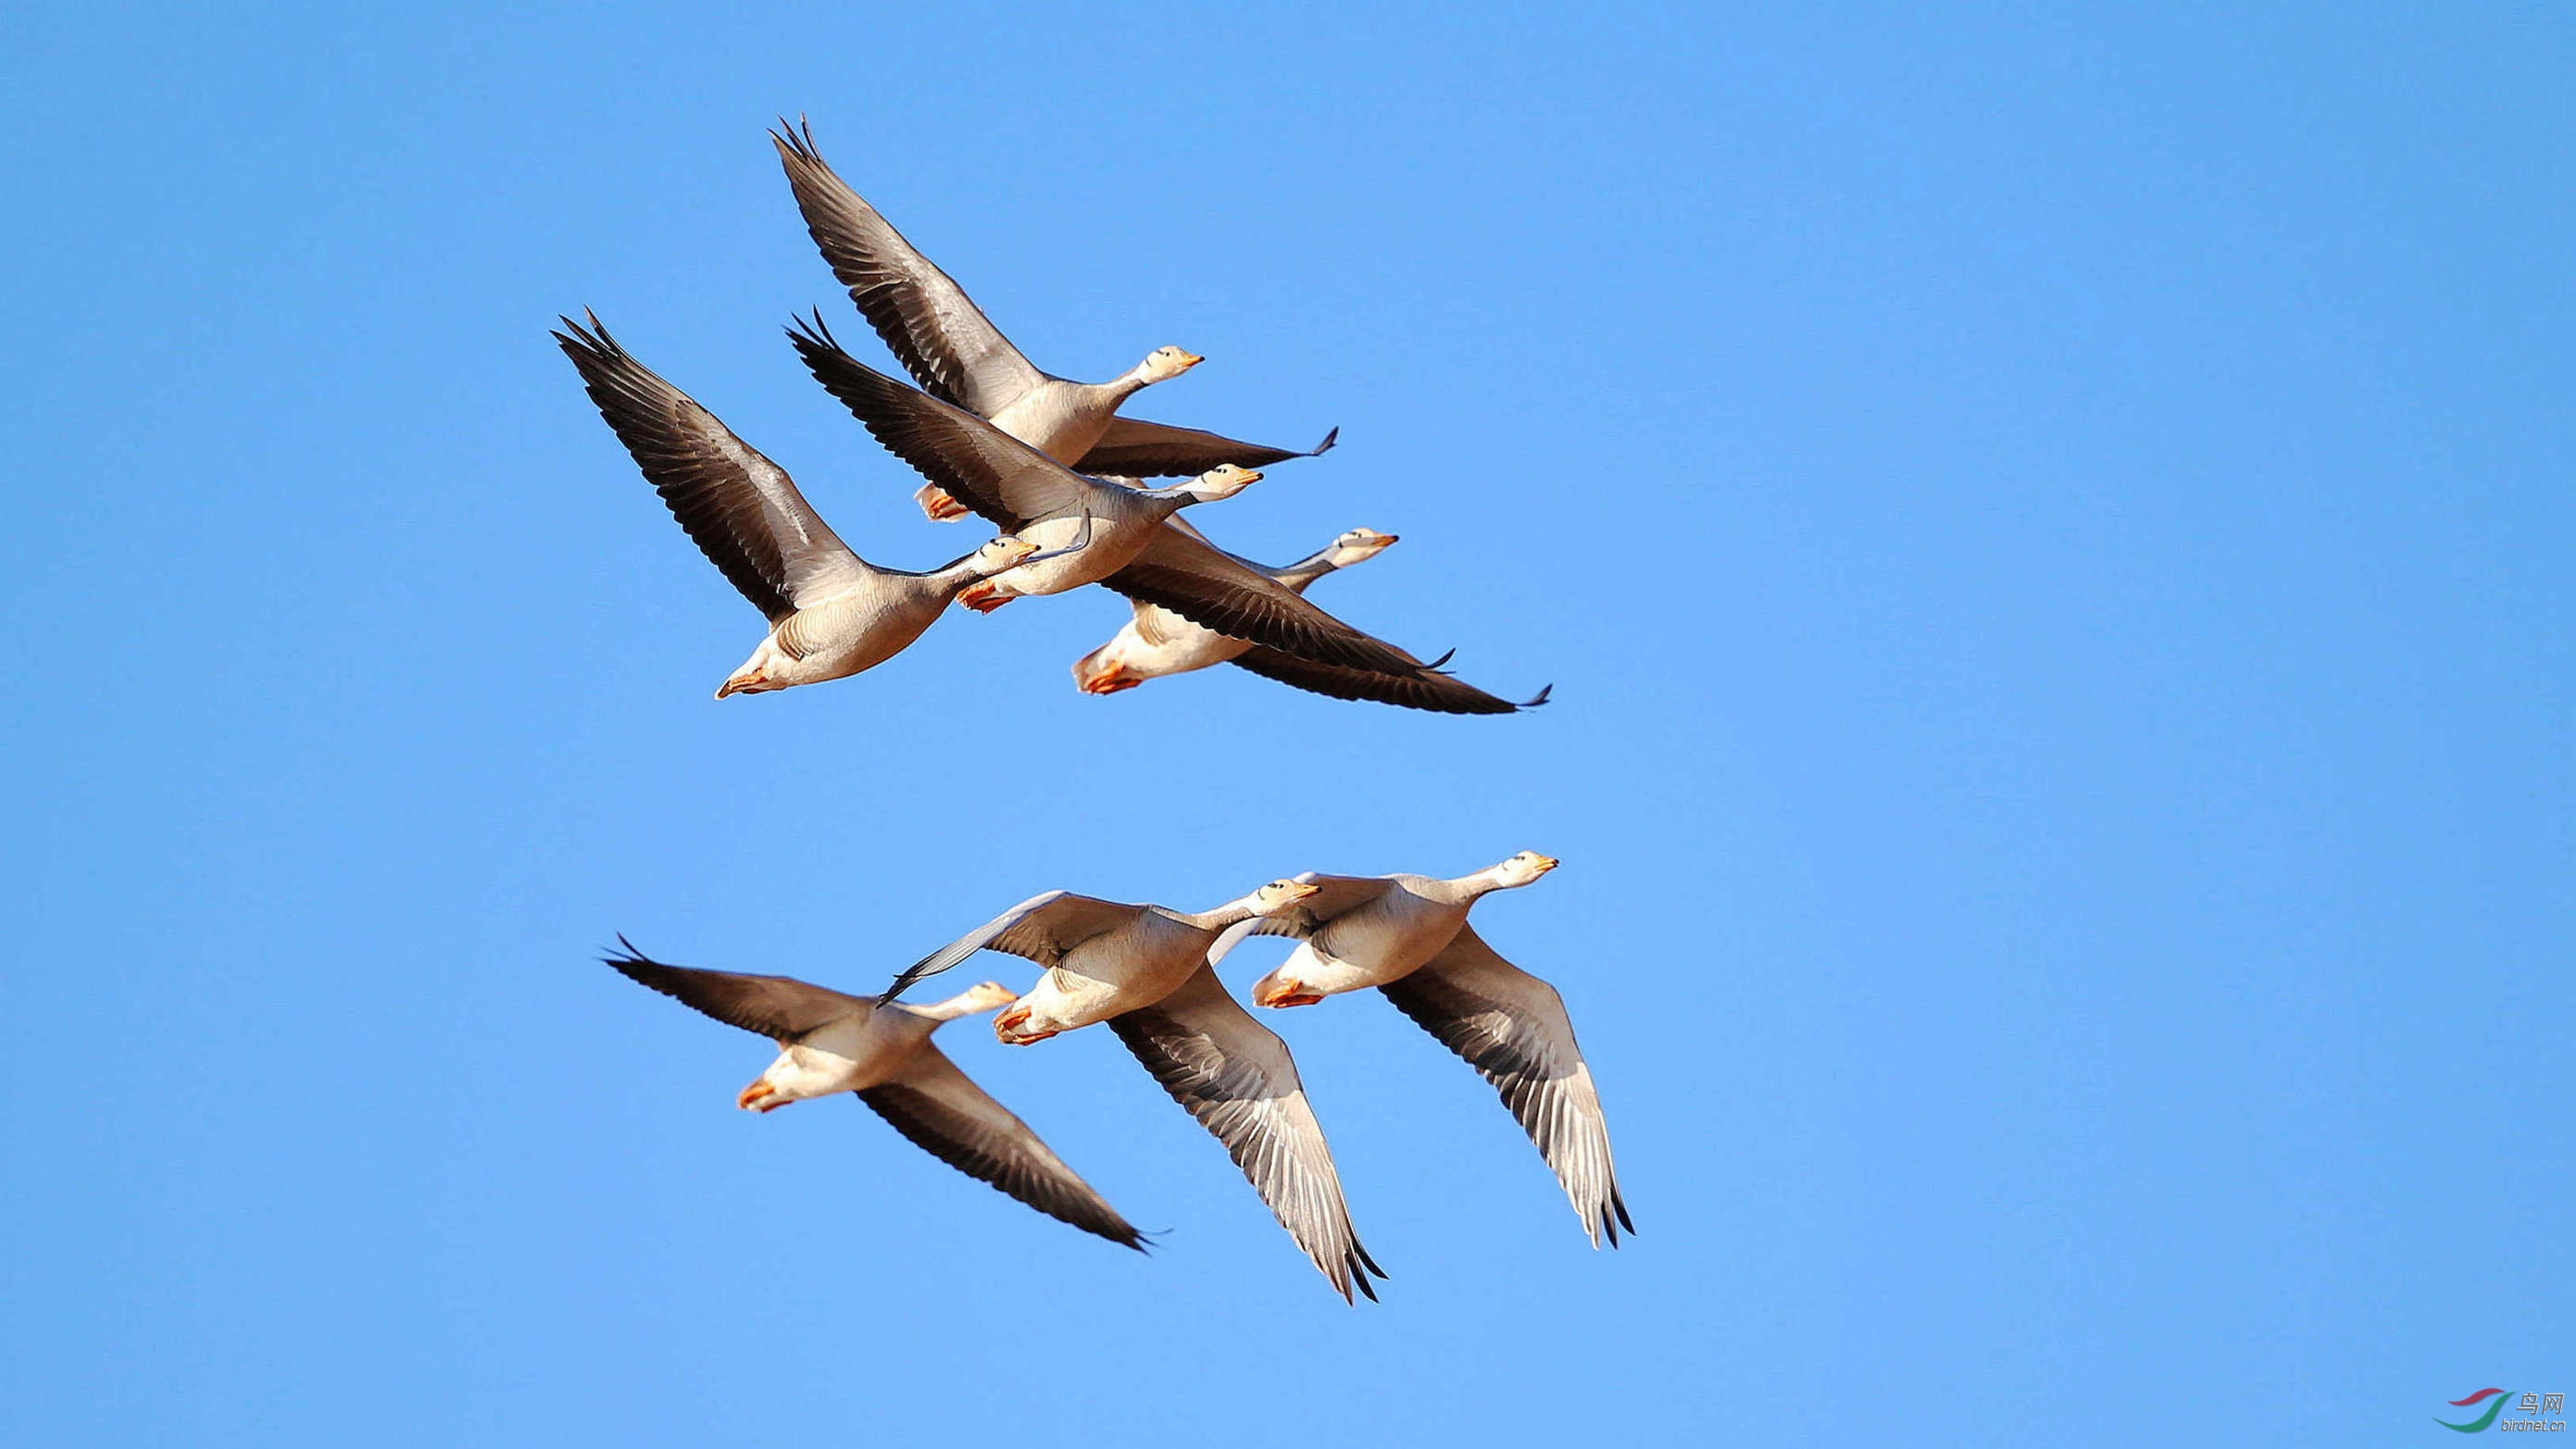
point(1212, 588)
point(1338, 897)
point(944, 443)
point(942, 338)
point(1260, 1122)
point(1029, 930)
point(1425, 689)
point(1135, 448)
point(707, 495)
point(1512, 1028)
point(781, 1008)
point(941, 1110)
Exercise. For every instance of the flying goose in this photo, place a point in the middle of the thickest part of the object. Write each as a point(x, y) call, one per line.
point(831, 613)
point(959, 357)
point(1145, 971)
point(1101, 532)
point(1407, 935)
point(829, 1042)
point(1157, 642)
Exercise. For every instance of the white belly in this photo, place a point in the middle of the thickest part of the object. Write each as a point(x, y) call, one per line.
point(1114, 544)
point(1183, 646)
point(1118, 972)
point(858, 630)
point(1054, 419)
point(1377, 945)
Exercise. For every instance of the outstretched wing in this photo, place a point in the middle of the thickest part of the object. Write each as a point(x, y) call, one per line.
point(1041, 929)
point(981, 466)
point(943, 339)
point(946, 1115)
point(1512, 1028)
point(1424, 688)
point(1135, 448)
point(1238, 1080)
point(1335, 896)
point(781, 1008)
point(741, 509)
point(1208, 586)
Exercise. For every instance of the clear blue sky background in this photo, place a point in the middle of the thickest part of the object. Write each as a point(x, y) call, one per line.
point(2051, 537)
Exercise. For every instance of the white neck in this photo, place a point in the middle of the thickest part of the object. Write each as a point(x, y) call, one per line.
point(1183, 495)
point(1241, 908)
point(1469, 887)
point(963, 1003)
point(1310, 568)
point(961, 573)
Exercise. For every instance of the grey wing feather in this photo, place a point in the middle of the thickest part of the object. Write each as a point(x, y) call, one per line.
point(1210, 587)
point(1426, 689)
point(1140, 449)
point(1238, 1080)
point(1231, 937)
point(741, 509)
point(1512, 1028)
point(1041, 929)
point(988, 470)
point(1335, 896)
point(781, 1008)
point(941, 1110)
point(926, 319)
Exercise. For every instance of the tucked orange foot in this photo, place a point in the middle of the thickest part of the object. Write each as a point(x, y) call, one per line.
point(1110, 681)
point(1284, 993)
point(760, 1097)
point(1011, 1026)
point(941, 507)
point(983, 598)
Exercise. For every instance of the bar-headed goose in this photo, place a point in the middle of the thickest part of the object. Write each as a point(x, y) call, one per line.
point(1145, 971)
point(958, 356)
point(1103, 532)
point(831, 613)
point(1407, 935)
point(1157, 642)
point(829, 1042)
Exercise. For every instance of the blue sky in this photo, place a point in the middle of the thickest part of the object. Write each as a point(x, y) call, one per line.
point(2049, 535)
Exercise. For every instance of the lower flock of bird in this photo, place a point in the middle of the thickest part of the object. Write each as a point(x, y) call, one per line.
point(1053, 465)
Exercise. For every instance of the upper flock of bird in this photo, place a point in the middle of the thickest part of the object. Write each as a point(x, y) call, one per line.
point(1053, 464)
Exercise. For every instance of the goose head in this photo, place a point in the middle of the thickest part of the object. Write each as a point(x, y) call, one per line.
point(985, 996)
point(1279, 895)
point(999, 553)
point(1358, 546)
point(1523, 868)
point(1165, 363)
point(1222, 481)
point(981, 997)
